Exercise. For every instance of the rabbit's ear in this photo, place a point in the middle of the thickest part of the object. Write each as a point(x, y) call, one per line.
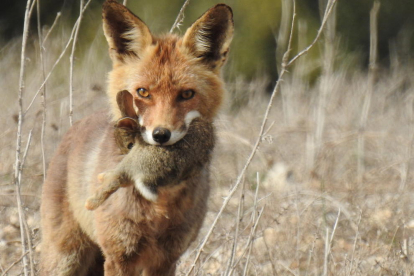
point(126, 104)
point(127, 123)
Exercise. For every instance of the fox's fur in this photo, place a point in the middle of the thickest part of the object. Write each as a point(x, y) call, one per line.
point(129, 234)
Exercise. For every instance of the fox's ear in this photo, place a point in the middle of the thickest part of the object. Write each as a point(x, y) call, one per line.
point(126, 104)
point(127, 35)
point(210, 36)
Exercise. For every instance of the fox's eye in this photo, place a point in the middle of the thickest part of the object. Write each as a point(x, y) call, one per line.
point(142, 92)
point(187, 94)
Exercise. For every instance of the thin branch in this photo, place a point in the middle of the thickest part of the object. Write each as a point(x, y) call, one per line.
point(30, 247)
point(51, 28)
point(53, 68)
point(236, 234)
point(29, 140)
point(304, 51)
point(287, 268)
point(71, 60)
point(180, 18)
point(15, 263)
point(57, 61)
point(32, 8)
point(328, 243)
point(17, 166)
point(334, 228)
point(42, 63)
point(250, 240)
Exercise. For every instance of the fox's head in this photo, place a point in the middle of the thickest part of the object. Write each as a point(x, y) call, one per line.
point(172, 79)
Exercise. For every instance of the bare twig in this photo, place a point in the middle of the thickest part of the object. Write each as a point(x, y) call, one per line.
point(29, 140)
point(180, 18)
point(30, 247)
point(328, 243)
point(304, 51)
point(236, 233)
point(250, 240)
point(285, 63)
point(125, 2)
point(71, 60)
point(57, 61)
point(334, 228)
point(51, 28)
point(287, 268)
point(17, 166)
point(32, 5)
point(282, 42)
point(42, 64)
point(283, 36)
point(14, 263)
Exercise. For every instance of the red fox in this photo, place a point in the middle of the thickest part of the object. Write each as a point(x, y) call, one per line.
point(171, 81)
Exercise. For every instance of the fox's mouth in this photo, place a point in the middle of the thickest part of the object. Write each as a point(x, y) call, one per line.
point(162, 136)
point(173, 138)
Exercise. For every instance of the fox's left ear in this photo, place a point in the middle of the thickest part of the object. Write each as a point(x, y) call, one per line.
point(210, 36)
point(127, 35)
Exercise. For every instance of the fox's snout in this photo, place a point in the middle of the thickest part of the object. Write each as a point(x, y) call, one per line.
point(165, 134)
point(161, 135)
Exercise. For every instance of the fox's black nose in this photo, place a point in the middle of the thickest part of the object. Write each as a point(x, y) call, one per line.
point(161, 135)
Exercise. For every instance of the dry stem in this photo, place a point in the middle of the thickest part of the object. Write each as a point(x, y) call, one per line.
point(57, 61)
point(236, 233)
point(17, 166)
point(42, 63)
point(180, 18)
point(14, 263)
point(71, 60)
point(51, 28)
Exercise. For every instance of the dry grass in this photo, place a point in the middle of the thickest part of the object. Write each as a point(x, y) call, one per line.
point(317, 219)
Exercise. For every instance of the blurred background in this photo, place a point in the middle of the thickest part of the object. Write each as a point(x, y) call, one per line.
point(258, 28)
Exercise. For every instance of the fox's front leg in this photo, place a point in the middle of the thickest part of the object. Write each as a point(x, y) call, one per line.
point(111, 181)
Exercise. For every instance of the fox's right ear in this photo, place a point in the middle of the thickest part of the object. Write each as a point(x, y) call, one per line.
point(126, 104)
point(210, 36)
point(127, 35)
